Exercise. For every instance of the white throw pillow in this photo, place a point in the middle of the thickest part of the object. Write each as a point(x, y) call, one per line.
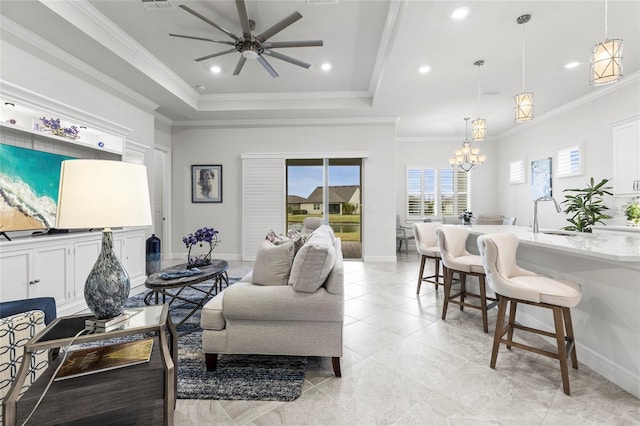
point(273, 263)
point(312, 263)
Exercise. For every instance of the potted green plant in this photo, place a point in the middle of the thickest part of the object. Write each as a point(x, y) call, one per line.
point(632, 211)
point(586, 206)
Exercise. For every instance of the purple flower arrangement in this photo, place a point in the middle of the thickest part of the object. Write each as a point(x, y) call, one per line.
point(54, 126)
point(201, 236)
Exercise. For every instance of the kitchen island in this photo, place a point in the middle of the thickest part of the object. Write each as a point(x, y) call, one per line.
point(607, 321)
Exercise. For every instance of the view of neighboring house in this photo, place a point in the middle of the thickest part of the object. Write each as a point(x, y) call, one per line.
point(342, 200)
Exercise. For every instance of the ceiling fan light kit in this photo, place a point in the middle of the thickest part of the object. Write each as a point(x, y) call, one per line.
point(250, 46)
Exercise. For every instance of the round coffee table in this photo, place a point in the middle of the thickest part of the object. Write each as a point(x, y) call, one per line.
point(172, 288)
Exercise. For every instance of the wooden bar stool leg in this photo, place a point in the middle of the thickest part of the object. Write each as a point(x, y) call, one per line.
point(437, 272)
point(483, 303)
point(562, 349)
point(463, 288)
point(512, 321)
point(569, 326)
point(448, 274)
point(502, 308)
point(422, 262)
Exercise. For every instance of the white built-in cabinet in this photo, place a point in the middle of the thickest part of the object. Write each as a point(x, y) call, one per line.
point(58, 265)
point(626, 158)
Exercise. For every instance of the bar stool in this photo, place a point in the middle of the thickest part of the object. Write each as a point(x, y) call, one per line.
point(517, 285)
point(427, 247)
point(452, 242)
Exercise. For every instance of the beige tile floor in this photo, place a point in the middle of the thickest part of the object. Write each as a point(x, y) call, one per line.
point(403, 365)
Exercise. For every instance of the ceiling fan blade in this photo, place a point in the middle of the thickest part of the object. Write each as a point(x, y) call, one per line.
point(208, 21)
point(286, 58)
point(302, 43)
point(203, 39)
point(239, 65)
point(270, 32)
point(268, 67)
point(244, 19)
point(224, 52)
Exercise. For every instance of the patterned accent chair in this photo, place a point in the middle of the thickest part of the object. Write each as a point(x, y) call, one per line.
point(20, 320)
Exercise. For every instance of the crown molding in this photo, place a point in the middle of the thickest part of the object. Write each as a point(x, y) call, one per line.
point(92, 22)
point(428, 139)
point(54, 51)
point(302, 122)
point(280, 101)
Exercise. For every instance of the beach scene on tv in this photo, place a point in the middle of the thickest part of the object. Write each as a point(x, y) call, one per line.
point(29, 182)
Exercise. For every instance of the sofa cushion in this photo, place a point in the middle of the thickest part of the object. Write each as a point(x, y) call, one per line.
point(313, 262)
point(273, 263)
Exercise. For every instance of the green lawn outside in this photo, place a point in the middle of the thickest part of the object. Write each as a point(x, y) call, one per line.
point(334, 218)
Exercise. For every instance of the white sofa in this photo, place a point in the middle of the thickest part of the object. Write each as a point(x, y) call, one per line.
point(301, 313)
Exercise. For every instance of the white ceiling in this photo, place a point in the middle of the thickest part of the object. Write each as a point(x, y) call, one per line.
point(375, 47)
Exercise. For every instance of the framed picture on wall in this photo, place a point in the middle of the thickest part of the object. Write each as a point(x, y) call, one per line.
point(541, 178)
point(206, 183)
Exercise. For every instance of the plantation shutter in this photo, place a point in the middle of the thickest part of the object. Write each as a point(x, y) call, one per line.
point(516, 171)
point(570, 161)
point(463, 200)
point(263, 201)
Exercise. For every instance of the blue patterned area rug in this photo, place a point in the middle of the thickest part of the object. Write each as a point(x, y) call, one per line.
point(244, 377)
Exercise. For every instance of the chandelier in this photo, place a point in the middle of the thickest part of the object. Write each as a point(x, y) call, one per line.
point(467, 158)
point(479, 125)
point(606, 59)
point(523, 101)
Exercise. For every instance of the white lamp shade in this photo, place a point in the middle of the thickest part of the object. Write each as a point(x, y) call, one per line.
point(102, 194)
point(479, 129)
point(523, 108)
point(606, 62)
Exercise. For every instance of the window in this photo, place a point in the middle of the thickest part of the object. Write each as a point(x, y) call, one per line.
point(516, 172)
point(436, 192)
point(316, 206)
point(570, 161)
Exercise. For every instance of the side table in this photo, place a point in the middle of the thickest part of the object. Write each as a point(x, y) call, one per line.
point(138, 394)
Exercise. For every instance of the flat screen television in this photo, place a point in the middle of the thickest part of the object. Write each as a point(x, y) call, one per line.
point(29, 183)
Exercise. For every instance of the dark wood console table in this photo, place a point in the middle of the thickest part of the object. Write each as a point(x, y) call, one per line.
point(137, 394)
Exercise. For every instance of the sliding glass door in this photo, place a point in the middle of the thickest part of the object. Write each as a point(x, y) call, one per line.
point(328, 188)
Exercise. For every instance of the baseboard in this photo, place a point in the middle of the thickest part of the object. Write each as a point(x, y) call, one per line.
point(622, 377)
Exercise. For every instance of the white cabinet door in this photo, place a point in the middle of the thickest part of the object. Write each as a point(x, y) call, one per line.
point(15, 274)
point(133, 257)
point(626, 158)
point(52, 270)
point(86, 254)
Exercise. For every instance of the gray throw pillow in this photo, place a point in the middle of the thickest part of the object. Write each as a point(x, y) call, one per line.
point(273, 263)
point(312, 263)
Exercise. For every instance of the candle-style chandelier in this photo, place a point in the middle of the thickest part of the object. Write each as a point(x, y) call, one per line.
point(467, 158)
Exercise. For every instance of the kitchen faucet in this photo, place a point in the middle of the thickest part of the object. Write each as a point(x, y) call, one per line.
point(535, 210)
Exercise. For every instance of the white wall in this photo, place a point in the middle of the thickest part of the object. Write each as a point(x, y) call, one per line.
point(590, 121)
point(432, 153)
point(225, 145)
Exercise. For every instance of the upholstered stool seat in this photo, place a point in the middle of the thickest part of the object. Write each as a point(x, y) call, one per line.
point(452, 242)
point(427, 247)
point(516, 285)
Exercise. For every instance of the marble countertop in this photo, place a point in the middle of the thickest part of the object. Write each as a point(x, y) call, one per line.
point(619, 228)
point(613, 247)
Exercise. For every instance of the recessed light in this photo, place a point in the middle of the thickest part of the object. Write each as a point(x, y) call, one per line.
point(460, 13)
point(326, 66)
point(424, 69)
point(215, 69)
point(572, 65)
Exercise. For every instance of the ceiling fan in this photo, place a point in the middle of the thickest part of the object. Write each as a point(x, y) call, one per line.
point(250, 46)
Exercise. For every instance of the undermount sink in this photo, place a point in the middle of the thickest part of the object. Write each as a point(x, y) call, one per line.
point(564, 233)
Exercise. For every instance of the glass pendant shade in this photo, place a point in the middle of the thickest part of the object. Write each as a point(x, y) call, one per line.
point(606, 62)
point(479, 129)
point(523, 107)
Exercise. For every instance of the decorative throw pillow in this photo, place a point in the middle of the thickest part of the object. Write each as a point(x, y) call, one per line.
point(273, 263)
point(274, 238)
point(313, 263)
point(297, 240)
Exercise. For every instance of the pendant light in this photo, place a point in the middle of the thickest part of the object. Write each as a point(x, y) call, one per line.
point(523, 102)
point(479, 125)
point(606, 59)
point(467, 158)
